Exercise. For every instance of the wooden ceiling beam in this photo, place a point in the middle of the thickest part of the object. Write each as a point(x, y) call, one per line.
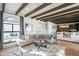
point(21, 8)
point(63, 15)
point(71, 21)
point(37, 9)
point(53, 9)
point(64, 11)
point(74, 18)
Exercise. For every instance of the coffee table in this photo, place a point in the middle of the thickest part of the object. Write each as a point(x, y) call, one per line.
point(40, 44)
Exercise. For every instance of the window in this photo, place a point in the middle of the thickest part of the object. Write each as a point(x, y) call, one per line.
point(7, 27)
point(16, 27)
point(10, 36)
point(11, 29)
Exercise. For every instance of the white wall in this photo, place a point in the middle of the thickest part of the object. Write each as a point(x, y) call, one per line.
point(40, 27)
point(52, 27)
point(37, 26)
point(46, 28)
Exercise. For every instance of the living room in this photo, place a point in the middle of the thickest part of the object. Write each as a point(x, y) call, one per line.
point(38, 29)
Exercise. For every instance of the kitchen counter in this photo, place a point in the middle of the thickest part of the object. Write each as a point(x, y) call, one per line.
point(67, 39)
point(68, 36)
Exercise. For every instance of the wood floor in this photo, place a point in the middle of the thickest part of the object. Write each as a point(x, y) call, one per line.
point(72, 49)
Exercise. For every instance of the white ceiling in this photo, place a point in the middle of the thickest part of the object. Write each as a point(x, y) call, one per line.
point(46, 8)
point(13, 7)
point(29, 8)
point(71, 6)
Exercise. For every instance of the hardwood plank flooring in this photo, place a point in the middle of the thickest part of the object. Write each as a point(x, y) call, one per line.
point(72, 49)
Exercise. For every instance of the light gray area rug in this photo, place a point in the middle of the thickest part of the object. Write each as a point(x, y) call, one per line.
point(31, 50)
